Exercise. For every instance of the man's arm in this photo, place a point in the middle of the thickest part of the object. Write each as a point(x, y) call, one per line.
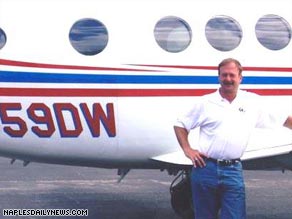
point(288, 122)
point(196, 157)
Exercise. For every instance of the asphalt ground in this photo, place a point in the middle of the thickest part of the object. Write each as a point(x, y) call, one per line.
point(143, 194)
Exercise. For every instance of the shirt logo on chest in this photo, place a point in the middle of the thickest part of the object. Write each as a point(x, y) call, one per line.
point(241, 110)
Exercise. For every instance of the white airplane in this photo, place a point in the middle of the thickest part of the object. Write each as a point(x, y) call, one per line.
point(100, 83)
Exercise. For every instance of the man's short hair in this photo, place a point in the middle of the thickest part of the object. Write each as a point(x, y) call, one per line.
point(230, 60)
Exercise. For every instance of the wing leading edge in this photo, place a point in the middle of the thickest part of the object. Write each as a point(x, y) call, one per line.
point(264, 146)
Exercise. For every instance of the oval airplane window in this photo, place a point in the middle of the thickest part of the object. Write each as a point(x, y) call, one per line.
point(273, 32)
point(173, 34)
point(223, 33)
point(88, 36)
point(2, 38)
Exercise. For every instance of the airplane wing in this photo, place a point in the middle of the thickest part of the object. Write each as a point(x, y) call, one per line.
point(264, 146)
point(176, 157)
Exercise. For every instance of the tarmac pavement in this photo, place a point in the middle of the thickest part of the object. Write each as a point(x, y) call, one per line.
point(143, 194)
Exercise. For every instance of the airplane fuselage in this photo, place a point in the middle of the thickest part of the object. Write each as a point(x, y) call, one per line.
point(66, 100)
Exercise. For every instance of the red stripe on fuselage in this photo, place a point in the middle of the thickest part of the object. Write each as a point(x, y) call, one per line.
point(76, 67)
point(63, 92)
point(71, 67)
point(260, 69)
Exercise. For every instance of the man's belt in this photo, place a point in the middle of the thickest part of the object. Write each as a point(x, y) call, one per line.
point(224, 162)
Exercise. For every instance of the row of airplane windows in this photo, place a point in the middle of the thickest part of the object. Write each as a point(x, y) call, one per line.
point(173, 34)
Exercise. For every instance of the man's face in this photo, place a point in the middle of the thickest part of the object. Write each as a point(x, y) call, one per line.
point(229, 78)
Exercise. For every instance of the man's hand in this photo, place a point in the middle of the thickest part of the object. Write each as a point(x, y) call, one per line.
point(196, 157)
point(288, 122)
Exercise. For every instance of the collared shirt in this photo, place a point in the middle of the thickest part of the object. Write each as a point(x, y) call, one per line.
point(225, 127)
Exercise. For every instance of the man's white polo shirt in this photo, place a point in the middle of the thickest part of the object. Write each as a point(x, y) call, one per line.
point(225, 127)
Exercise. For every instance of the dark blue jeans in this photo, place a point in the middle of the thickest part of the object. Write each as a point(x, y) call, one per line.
point(218, 188)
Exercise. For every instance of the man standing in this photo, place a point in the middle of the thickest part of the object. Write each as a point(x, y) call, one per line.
point(226, 119)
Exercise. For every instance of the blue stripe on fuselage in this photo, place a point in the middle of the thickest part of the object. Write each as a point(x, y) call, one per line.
point(42, 77)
